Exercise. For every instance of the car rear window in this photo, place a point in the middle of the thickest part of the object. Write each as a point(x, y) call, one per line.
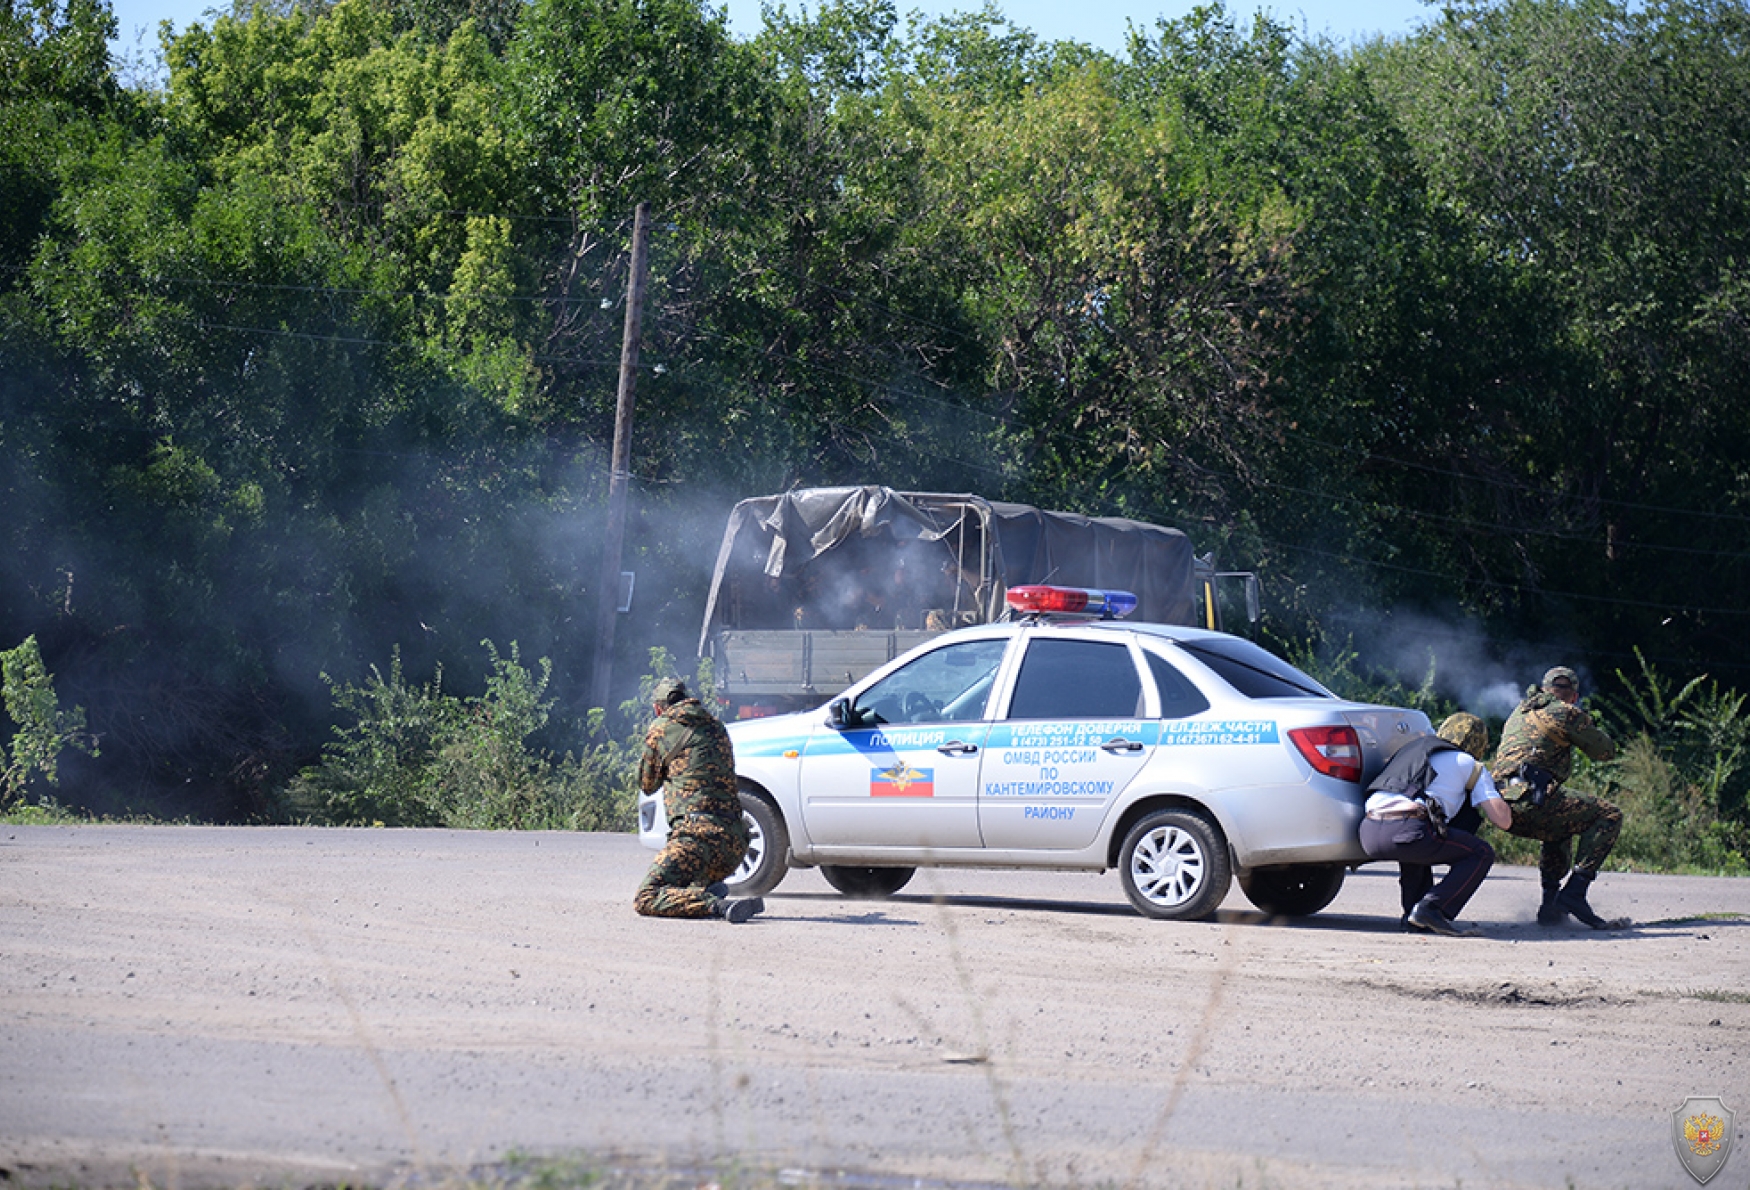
point(1076, 679)
point(1254, 672)
point(1179, 698)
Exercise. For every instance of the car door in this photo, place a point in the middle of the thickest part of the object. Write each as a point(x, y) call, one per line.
point(905, 774)
point(1071, 738)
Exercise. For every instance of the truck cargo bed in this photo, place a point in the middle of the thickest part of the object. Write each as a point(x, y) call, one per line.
point(789, 661)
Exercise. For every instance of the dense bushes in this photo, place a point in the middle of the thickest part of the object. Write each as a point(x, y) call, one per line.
point(1680, 775)
point(408, 754)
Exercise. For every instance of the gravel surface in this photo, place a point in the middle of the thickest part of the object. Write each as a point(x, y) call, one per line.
point(208, 1006)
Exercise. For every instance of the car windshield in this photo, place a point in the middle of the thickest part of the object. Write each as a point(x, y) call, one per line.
point(1254, 672)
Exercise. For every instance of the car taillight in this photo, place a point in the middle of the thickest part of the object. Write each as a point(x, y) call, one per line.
point(1333, 751)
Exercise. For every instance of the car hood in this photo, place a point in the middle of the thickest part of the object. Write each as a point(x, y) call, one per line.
point(772, 733)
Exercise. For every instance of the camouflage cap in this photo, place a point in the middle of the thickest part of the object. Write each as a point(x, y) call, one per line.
point(1467, 731)
point(1560, 678)
point(668, 690)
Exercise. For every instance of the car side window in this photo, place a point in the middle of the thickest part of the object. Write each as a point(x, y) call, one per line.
point(1179, 698)
point(947, 685)
point(1076, 679)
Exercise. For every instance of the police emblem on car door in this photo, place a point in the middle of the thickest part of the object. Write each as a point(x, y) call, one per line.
point(902, 769)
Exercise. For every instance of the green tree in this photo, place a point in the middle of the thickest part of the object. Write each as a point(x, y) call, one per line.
point(42, 730)
point(57, 49)
point(1591, 148)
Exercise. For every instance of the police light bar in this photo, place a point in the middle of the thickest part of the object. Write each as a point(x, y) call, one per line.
point(1085, 600)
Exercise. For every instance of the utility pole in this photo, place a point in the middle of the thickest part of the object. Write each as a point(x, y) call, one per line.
point(620, 474)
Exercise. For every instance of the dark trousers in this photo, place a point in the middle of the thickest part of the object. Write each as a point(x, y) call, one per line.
point(1417, 847)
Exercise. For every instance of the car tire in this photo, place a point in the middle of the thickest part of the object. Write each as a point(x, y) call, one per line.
point(867, 884)
point(1175, 866)
point(1293, 890)
point(768, 849)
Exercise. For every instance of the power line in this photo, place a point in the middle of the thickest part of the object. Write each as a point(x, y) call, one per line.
point(1511, 485)
point(878, 385)
point(890, 389)
point(1486, 526)
point(867, 303)
point(1496, 584)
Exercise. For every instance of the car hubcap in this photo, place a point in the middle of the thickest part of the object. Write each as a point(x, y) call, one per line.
point(756, 850)
point(1167, 866)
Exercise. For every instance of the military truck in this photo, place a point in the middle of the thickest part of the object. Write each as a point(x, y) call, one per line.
point(816, 587)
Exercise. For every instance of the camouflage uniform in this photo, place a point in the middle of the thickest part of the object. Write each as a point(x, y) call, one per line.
point(1544, 731)
point(687, 751)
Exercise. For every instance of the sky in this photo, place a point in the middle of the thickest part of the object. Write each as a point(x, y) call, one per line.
point(1100, 23)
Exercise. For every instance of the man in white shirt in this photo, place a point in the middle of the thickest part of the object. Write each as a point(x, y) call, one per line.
point(1409, 808)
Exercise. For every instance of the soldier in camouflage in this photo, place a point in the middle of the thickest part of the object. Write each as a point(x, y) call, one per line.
point(687, 754)
point(1537, 746)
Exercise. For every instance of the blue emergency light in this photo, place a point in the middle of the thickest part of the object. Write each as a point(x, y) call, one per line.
point(1039, 599)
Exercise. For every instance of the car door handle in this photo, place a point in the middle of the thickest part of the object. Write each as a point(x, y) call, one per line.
point(1120, 744)
point(957, 748)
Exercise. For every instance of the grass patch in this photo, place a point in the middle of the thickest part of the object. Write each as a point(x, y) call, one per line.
point(48, 812)
point(1709, 995)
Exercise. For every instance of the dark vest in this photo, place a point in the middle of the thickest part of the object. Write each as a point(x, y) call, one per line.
point(1411, 768)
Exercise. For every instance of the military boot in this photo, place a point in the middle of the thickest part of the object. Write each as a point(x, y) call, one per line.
point(1550, 913)
point(1572, 899)
point(739, 909)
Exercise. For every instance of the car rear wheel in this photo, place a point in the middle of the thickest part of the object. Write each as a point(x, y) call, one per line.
point(1175, 866)
point(867, 884)
point(768, 849)
point(1293, 890)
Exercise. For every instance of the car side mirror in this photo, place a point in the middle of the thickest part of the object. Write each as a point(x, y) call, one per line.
point(840, 714)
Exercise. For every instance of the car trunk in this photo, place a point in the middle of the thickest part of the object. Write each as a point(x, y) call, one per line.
point(1383, 730)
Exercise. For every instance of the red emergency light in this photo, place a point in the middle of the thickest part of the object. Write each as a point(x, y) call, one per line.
point(1038, 599)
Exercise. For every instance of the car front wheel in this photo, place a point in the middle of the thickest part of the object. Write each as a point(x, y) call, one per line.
point(867, 884)
point(1293, 890)
point(768, 849)
point(1175, 866)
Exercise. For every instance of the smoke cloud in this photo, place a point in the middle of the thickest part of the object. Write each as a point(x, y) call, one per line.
point(1483, 675)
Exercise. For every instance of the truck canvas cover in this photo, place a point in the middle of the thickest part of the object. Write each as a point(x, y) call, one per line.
point(869, 557)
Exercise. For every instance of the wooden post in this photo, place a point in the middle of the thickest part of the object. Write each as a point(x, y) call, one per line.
point(620, 473)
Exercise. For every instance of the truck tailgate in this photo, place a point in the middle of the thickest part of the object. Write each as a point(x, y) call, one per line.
point(805, 661)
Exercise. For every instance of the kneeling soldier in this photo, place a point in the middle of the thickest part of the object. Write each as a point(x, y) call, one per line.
point(688, 754)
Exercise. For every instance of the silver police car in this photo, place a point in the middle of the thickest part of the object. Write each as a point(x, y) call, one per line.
point(1182, 757)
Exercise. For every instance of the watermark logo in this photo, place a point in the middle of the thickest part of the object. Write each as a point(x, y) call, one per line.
point(1702, 1132)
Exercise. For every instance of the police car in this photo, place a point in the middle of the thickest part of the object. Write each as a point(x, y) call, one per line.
point(1068, 738)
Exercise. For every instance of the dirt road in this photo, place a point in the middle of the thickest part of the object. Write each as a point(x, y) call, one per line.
point(214, 1006)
